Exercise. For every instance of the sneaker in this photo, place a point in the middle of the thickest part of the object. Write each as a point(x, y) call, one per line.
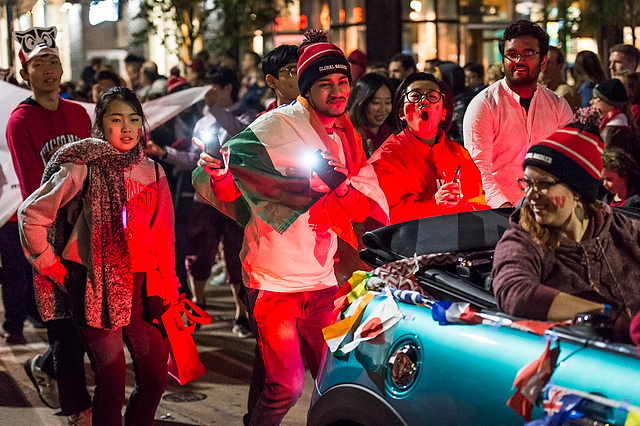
point(241, 328)
point(15, 339)
point(81, 419)
point(45, 385)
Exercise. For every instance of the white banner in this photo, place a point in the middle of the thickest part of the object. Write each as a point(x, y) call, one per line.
point(157, 112)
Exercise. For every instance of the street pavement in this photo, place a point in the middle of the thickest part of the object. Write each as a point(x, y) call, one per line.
point(225, 386)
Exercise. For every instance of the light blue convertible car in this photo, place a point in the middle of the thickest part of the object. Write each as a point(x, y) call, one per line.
point(423, 373)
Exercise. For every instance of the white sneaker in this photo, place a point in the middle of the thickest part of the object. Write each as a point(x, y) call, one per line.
point(241, 328)
point(45, 386)
point(81, 419)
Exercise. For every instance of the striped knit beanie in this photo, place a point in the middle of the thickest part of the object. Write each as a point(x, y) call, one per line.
point(318, 58)
point(574, 155)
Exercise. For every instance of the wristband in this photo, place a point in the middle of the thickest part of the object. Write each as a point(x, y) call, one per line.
point(607, 310)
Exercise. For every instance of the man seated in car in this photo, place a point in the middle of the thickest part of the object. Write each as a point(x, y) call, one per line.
point(565, 252)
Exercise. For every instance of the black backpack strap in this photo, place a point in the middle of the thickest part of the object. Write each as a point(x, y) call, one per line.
point(155, 163)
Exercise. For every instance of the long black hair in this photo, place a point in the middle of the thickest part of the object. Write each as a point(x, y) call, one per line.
point(398, 101)
point(117, 94)
point(364, 90)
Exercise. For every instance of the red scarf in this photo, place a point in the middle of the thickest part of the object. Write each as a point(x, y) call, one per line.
point(608, 117)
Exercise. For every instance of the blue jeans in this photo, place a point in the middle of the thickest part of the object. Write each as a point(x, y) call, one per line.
point(106, 352)
point(289, 325)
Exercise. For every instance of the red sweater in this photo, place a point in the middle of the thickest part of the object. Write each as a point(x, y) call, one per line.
point(410, 172)
point(34, 133)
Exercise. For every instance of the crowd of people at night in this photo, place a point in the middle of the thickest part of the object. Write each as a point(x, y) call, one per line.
point(118, 221)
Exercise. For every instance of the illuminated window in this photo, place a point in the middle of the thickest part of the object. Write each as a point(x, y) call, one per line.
point(103, 10)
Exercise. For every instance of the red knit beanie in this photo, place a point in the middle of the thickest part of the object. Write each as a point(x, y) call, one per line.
point(318, 58)
point(574, 155)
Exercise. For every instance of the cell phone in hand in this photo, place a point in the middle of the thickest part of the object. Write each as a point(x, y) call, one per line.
point(326, 172)
point(211, 146)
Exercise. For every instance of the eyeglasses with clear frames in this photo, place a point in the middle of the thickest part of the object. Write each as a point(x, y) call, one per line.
point(291, 70)
point(541, 186)
point(527, 56)
point(416, 96)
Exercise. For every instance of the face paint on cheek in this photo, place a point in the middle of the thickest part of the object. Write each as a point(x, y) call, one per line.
point(411, 111)
point(558, 202)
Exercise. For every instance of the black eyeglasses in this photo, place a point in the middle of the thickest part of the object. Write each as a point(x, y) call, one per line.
point(540, 186)
point(416, 96)
point(292, 70)
point(514, 57)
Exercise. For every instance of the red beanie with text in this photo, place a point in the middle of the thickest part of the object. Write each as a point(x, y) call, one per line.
point(574, 155)
point(319, 58)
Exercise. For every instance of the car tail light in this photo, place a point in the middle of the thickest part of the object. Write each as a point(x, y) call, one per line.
point(403, 366)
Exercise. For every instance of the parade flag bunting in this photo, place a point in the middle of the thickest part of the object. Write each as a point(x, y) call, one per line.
point(535, 327)
point(454, 313)
point(412, 297)
point(531, 379)
point(563, 404)
point(633, 418)
point(335, 334)
point(355, 287)
point(381, 319)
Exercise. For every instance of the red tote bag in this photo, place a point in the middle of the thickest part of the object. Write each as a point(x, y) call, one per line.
point(184, 362)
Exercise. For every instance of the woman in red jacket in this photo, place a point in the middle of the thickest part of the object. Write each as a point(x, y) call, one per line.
point(421, 172)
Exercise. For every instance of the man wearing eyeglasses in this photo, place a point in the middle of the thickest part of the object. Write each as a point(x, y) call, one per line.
point(280, 67)
point(508, 117)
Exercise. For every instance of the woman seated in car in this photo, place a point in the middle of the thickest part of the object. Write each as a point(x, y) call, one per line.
point(421, 172)
point(565, 252)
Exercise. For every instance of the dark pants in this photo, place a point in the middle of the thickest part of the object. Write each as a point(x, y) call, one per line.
point(206, 227)
point(66, 358)
point(182, 199)
point(17, 281)
point(149, 354)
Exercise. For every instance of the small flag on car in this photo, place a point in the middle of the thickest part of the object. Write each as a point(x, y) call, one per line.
point(454, 313)
point(382, 318)
point(531, 379)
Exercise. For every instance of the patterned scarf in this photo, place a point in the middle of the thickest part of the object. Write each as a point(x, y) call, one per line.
point(109, 278)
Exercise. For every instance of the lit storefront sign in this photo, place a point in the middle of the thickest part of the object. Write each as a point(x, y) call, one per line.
point(325, 18)
point(357, 15)
point(289, 23)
